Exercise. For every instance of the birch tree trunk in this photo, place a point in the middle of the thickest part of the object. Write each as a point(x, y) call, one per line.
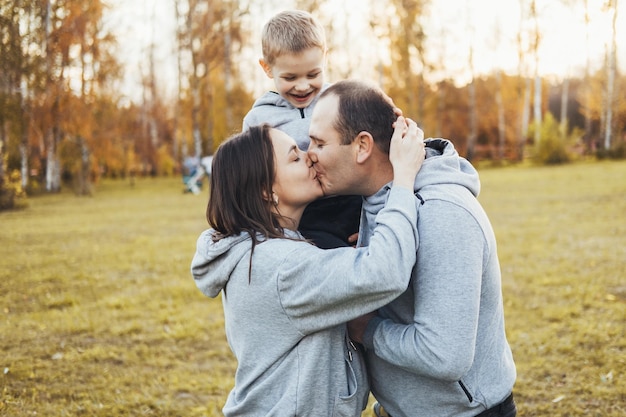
point(227, 70)
point(587, 78)
point(198, 71)
point(441, 97)
point(3, 136)
point(53, 172)
point(471, 138)
point(564, 102)
point(501, 121)
point(610, 85)
point(525, 114)
point(179, 73)
point(537, 96)
point(473, 114)
point(524, 86)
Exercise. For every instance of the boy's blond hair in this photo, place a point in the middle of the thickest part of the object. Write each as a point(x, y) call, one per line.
point(291, 31)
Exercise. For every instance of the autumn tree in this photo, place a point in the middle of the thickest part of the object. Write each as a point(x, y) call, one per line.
point(209, 35)
point(21, 79)
point(406, 36)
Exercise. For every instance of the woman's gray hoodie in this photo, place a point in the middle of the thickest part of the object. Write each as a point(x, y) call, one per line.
point(440, 348)
point(285, 321)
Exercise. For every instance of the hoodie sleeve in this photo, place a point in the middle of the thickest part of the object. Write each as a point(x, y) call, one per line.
point(325, 288)
point(213, 262)
point(440, 341)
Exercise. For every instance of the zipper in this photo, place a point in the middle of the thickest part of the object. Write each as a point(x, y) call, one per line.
point(466, 391)
point(353, 346)
point(302, 113)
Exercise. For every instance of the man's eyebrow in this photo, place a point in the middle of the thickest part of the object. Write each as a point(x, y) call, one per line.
point(315, 138)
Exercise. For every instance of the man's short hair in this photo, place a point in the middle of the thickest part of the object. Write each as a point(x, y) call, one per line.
point(362, 107)
point(291, 31)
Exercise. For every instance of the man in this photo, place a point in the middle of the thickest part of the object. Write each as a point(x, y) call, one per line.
point(439, 349)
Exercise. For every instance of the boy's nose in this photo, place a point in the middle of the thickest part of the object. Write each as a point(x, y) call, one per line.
point(302, 85)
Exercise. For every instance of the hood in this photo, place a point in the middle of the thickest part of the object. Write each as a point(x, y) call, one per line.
point(272, 98)
point(443, 165)
point(214, 262)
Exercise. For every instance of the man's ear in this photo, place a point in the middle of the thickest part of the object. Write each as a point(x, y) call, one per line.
point(365, 146)
point(266, 67)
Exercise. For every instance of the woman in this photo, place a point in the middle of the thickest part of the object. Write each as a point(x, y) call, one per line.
point(286, 301)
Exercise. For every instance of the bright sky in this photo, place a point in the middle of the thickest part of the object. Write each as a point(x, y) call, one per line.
point(451, 28)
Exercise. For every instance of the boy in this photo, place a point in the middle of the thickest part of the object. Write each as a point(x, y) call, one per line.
point(294, 54)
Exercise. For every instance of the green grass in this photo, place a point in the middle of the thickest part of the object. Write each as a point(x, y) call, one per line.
point(99, 315)
point(562, 244)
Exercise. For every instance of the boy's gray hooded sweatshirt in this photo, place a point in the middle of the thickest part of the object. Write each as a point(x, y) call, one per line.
point(440, 348)
point(285, 322)
point(272, 108)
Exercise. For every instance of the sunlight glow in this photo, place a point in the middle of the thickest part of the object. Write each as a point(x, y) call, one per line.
point(357, 50)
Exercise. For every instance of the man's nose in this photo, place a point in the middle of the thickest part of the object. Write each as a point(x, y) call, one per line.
point(311, 154)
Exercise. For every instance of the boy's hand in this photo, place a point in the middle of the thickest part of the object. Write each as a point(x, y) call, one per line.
point(353, 239)
point(356, 327)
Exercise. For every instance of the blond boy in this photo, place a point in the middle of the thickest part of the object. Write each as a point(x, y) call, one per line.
point(294, 56)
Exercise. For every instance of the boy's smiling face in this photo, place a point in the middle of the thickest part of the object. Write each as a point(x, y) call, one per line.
point(298, 77)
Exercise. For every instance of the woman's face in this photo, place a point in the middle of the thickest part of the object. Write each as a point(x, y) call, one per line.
point(296, 183)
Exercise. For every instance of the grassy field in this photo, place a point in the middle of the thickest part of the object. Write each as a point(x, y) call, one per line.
point(100, 316)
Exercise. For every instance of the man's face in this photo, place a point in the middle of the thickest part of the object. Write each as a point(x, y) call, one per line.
point(334, 163)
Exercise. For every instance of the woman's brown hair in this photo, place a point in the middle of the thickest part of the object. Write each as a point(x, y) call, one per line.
point(242, 176)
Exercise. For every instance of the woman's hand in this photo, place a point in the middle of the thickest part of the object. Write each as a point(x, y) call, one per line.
point(406, 152)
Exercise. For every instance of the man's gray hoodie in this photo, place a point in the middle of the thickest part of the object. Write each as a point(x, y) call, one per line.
point(440, 348)
point(285, 317)
point(272, 108)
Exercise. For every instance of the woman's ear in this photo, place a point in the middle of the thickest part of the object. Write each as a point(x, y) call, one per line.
point(266, 67)
point(271, 199)
point(365, 146)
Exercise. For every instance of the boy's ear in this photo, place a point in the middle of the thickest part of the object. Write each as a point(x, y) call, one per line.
point(365, 144)
point(266, 67)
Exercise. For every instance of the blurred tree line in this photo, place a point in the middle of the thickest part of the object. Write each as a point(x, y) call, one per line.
point(62, 121)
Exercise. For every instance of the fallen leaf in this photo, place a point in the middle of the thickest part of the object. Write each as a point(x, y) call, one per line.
point(607, 378)
point(558, 399)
